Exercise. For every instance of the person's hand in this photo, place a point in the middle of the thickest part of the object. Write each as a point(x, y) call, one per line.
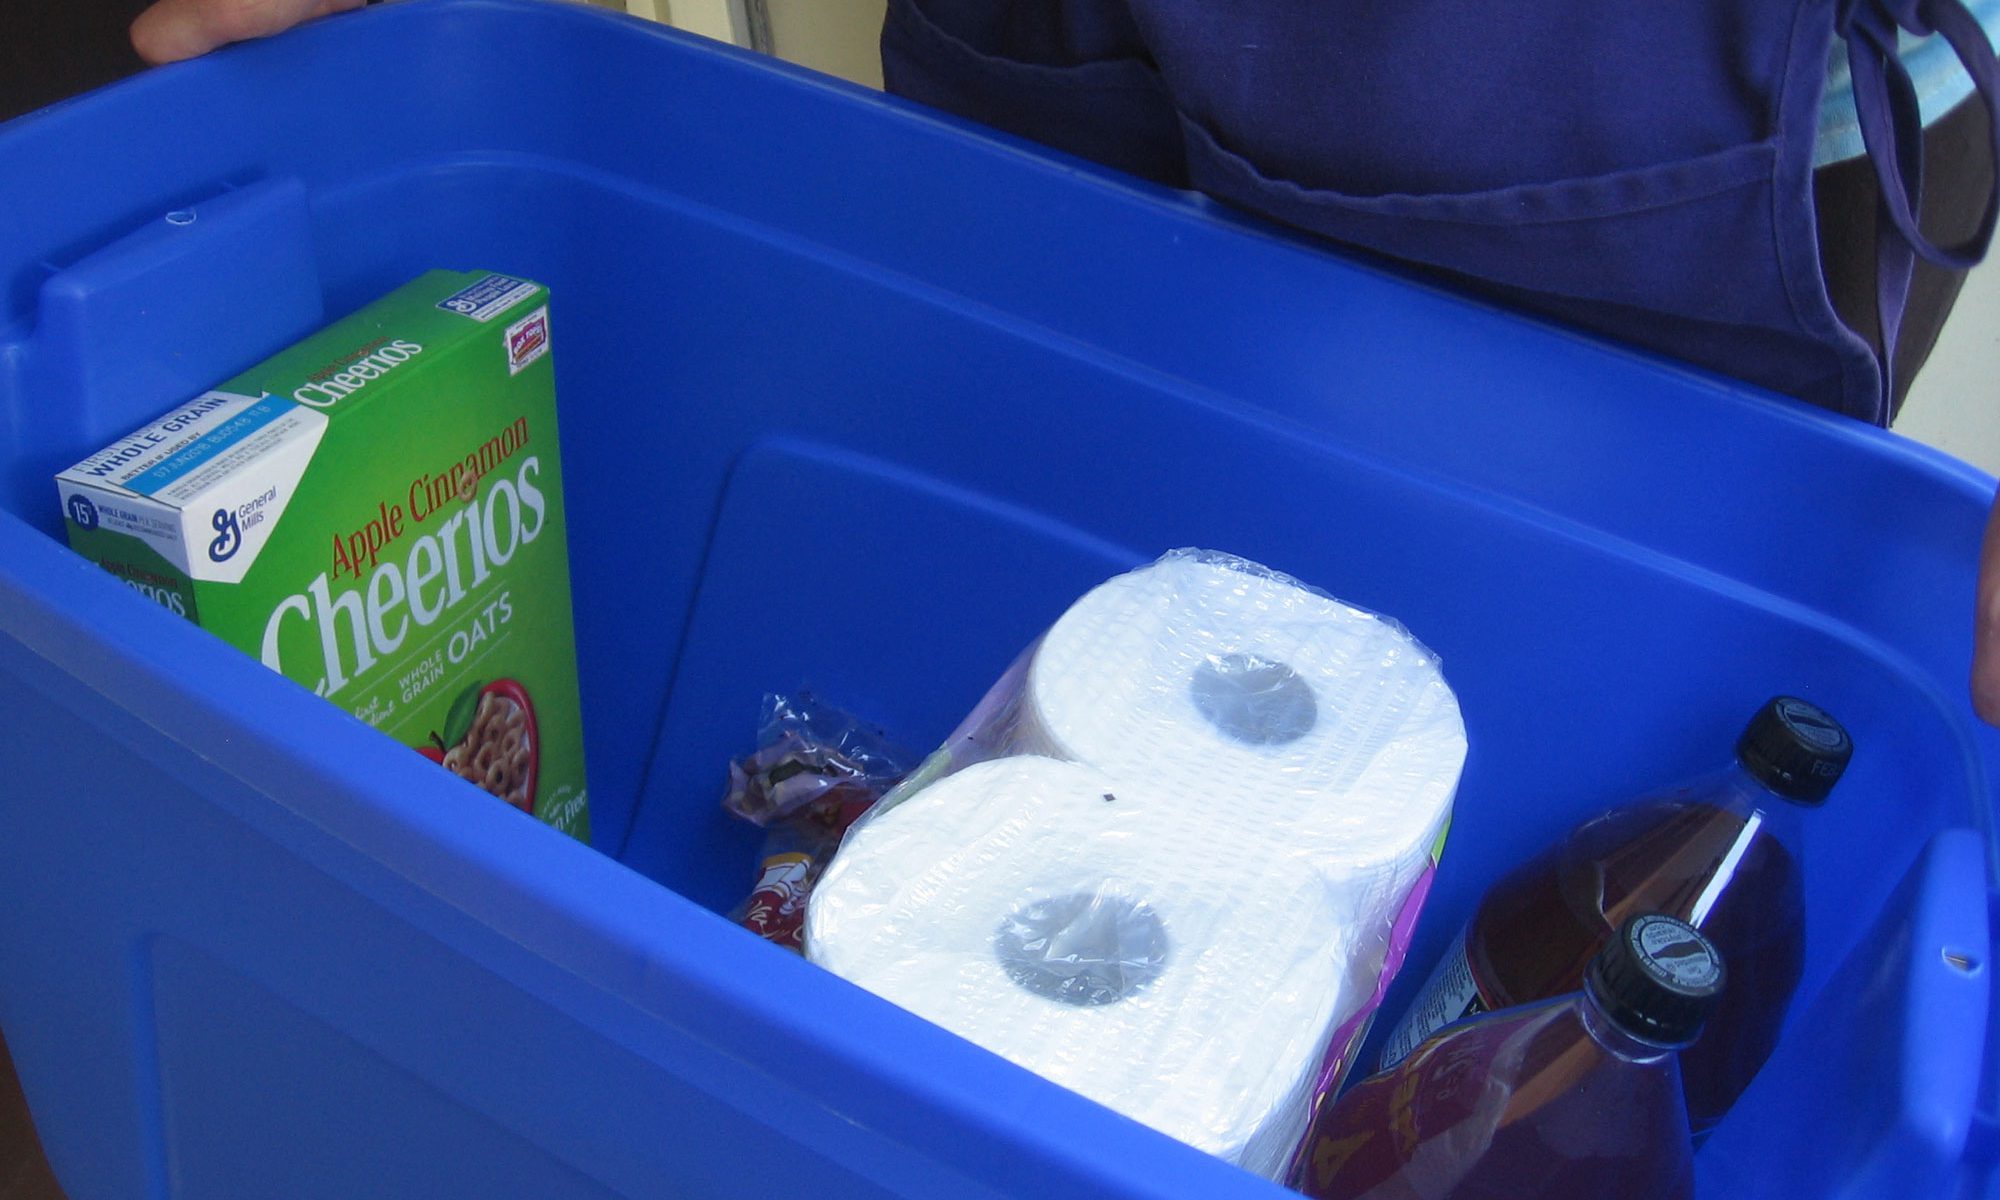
point(172, 30)
point(1986, 625)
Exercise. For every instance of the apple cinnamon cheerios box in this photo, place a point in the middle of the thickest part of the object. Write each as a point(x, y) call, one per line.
point(377, 514)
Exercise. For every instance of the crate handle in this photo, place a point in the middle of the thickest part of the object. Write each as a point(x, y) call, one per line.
point(168, 310)
point(1876, 1087)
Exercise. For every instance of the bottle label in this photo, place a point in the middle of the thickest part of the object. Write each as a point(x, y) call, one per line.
point(1427, 1128)
point(1450, 994)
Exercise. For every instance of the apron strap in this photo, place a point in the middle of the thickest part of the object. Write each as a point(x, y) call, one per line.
point(1892, 132)
point(1891, 125)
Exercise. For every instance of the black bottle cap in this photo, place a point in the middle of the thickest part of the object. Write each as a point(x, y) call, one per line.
point(1658, 979)
point(1795, 748)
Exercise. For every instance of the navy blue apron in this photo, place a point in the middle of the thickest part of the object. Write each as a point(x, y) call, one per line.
point(1644, 171)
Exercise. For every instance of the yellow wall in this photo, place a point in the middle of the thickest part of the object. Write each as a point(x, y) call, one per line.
point(835, 36)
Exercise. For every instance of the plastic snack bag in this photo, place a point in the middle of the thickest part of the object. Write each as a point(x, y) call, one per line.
point(815, 771)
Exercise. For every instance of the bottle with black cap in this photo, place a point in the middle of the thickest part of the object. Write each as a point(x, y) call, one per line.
point(1721, 852)
point(1578, 1097)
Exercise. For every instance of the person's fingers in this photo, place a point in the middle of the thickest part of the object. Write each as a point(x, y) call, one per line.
point(1986, 627)
point(172, 30)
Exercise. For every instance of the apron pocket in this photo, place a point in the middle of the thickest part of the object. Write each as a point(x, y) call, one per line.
point(1682, 258)
point(1677, 229)
point(1112, 109)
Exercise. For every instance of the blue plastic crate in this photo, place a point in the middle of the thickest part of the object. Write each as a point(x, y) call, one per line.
point(858, 396)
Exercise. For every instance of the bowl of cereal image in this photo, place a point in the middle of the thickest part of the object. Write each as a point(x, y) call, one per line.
point(489, 739)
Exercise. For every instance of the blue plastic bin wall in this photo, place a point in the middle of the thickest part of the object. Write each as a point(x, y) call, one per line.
point(860, 397)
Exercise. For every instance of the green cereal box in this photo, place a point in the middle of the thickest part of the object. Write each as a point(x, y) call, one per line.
point(377, 514)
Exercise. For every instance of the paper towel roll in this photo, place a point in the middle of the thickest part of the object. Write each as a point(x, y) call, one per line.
point(1230, 686)
point(1148, 955)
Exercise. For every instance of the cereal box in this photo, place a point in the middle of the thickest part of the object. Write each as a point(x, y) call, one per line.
point(377, 514)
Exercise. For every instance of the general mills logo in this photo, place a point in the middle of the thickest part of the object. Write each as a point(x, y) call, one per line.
point(228, 535)
point(463, 305)
point(83, 512)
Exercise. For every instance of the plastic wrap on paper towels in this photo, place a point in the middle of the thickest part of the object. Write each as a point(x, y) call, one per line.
point(1084, 928)
point(1163, 862)
point(1324, 728)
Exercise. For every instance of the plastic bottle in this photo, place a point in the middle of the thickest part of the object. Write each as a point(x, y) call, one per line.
point(1577, 1098)
point(1721, 853)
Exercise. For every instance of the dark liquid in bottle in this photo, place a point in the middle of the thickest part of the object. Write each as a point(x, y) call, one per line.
point(1538, 929)
point(1568, 1120)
